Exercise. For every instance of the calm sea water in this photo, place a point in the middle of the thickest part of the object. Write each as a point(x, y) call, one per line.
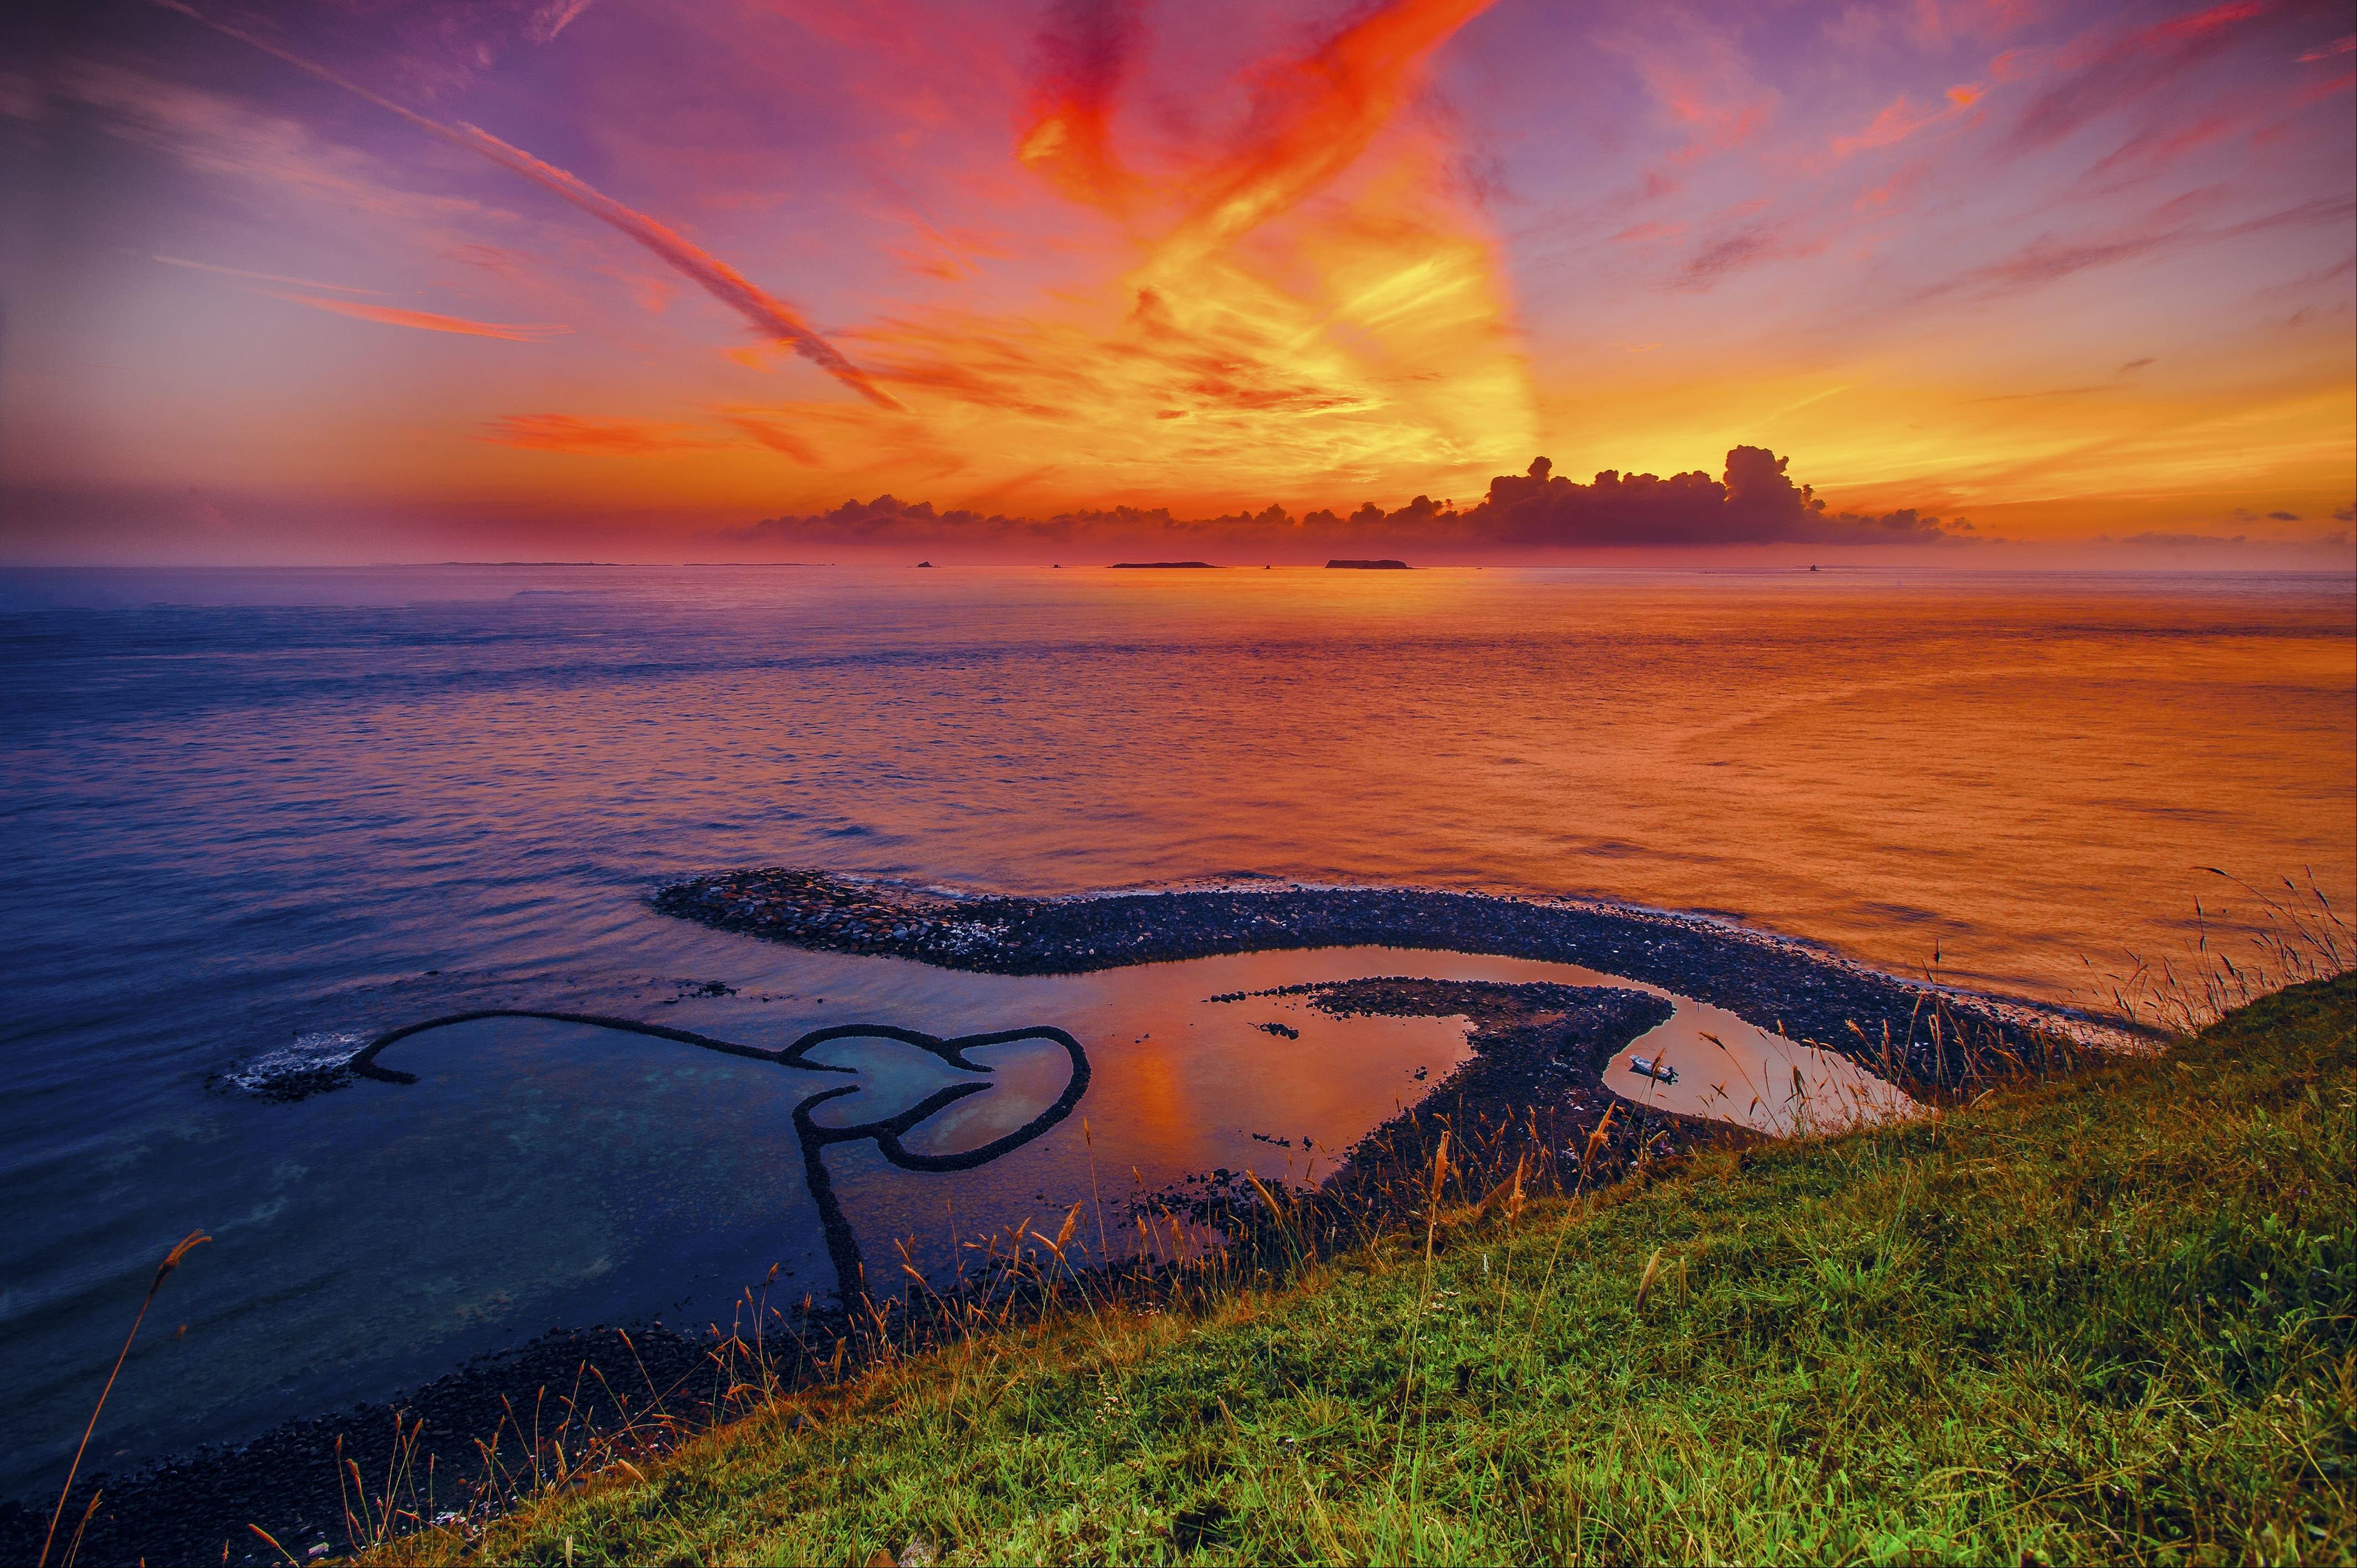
point(251, 813)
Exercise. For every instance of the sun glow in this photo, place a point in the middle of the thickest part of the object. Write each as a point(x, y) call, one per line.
point(1308, 308)
point(688, 281)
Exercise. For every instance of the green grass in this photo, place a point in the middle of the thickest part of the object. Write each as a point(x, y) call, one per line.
point(2101, 1318)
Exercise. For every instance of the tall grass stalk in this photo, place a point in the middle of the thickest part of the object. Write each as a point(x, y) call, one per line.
point(2290, 936)
point(172, 1260)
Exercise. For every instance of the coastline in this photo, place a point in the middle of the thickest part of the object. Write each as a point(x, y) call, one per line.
point(2094, 1317)
point(1939, 1038)
point(1530, 1094)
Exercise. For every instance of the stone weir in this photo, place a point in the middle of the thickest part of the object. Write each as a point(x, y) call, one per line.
point(1925, 1038)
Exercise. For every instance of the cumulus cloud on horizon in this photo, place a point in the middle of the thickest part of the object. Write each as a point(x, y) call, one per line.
point(1754, 501)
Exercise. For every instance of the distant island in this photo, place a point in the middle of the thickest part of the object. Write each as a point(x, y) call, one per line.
point(1161, 565)
point(1367, 565)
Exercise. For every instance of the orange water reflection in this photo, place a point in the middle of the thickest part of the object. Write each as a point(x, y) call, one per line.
point(2025, 776)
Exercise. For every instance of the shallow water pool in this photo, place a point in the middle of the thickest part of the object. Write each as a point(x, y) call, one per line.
point(538, 1172)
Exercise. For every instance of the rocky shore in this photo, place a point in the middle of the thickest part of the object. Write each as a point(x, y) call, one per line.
point(1927, 1039)
point(1531, 1099)
point(202, 1507)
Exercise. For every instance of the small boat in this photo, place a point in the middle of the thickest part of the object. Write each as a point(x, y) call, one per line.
point(1659, 1071)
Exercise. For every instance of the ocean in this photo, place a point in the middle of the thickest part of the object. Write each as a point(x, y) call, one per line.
point(256, 817)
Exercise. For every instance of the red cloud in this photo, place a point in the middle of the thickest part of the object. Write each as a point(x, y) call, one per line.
point(2146, 155)
point(1903, 183)
point(1314, 116)
point(1088, 49)
point(596, 437)
point(776, 438)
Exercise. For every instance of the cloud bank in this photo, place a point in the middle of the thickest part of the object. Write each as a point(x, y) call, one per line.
point(1753, 502)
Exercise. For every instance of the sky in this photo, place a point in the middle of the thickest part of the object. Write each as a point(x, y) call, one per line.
point(1983, 282)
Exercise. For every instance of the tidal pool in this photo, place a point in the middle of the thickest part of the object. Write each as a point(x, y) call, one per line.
point(1727, 1071)
point(913, 1145)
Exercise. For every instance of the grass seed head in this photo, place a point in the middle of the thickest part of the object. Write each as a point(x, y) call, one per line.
point(1652, 1273)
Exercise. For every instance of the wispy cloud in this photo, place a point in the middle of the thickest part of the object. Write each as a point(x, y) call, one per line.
point(1707, 86)
point(2140, 156)
point(552, 19)
point(1901, 118)
point(261, 277)
point(2113, 69)
point(1747, 247)
point(218, 136)
point(776, 438)
point(768, 314)
point(2049, 258)
point(582, 435)
point(425, 320)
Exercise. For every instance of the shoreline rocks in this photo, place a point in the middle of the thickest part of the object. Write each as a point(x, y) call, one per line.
point(1924, 1038)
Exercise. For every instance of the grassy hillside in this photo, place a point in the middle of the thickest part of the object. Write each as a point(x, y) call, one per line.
point(2101, 1318)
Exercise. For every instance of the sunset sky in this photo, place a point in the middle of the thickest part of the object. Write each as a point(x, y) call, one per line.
point(368, 280)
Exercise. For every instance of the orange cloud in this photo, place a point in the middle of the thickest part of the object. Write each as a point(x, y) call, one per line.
point(1904, 182)
point(1902, 119)
point(768, 433)
point(425, 320)
point(1367, 344)
point(1361, 338)
point(584, 437)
